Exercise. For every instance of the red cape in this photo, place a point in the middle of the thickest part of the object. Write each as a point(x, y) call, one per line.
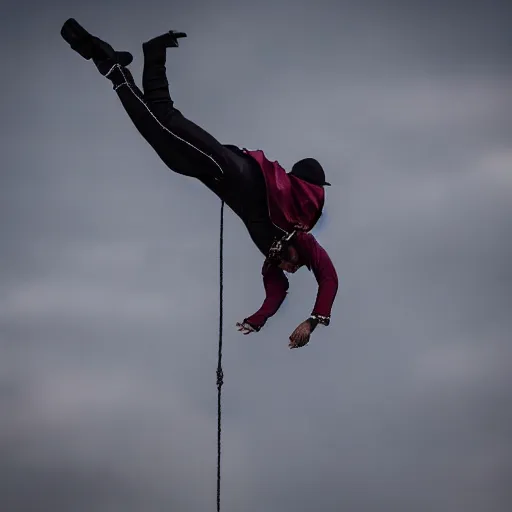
point(293, 204)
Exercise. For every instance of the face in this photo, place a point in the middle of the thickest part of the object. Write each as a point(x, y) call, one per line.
point(291, 263)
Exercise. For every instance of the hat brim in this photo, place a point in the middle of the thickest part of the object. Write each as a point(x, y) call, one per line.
point(327, 184)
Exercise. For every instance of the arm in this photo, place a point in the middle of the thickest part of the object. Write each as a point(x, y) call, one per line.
point(276, 286)
point(319, 262)
point(316, 259)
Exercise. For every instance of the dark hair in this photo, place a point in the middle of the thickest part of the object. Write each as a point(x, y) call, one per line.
point(280, 248)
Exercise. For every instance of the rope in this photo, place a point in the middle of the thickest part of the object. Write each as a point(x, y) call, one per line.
point(220, 373)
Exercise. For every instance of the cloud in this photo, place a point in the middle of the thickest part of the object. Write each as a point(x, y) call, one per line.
point(109, 296)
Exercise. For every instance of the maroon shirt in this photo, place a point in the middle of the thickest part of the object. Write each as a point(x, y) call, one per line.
point(315, 258)
point(294, 204)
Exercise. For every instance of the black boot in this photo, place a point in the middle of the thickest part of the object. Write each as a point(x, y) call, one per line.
point(91, 47)
point(167, 40)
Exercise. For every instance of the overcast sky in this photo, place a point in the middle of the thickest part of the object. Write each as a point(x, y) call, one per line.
point(109, 267)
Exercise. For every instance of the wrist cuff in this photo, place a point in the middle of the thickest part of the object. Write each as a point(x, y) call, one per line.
point(324, 320)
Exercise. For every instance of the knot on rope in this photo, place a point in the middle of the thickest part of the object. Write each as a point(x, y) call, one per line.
point(220, 378)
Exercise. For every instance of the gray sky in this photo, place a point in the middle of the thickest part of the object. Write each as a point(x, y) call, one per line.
point(109, 270)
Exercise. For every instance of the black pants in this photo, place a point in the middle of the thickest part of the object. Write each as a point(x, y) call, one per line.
point(189, 150)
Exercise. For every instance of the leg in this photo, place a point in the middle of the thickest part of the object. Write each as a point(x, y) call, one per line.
point(154, 75)
point(241, 184)
point(183, 146)
point(244, 188)
point(229, 173)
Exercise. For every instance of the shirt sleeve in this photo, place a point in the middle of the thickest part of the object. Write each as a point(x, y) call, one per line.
point(276, 287)
point(318, 261)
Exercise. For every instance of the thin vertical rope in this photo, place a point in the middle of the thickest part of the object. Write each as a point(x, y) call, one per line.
point(220, 373)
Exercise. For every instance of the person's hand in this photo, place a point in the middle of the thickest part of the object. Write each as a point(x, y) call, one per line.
point(300, 335)
point(245, 328)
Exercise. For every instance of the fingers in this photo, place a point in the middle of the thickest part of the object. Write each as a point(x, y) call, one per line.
point(294, 340)
point(300, 336)
point(242, 328)
point(298, 340)
point(245, 328)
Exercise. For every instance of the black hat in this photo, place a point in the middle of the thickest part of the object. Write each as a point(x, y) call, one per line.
point(309, 169)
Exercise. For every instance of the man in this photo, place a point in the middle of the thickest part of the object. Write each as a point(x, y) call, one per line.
point(278, 208)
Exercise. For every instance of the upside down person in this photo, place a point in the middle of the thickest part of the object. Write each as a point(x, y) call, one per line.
point(277, 208)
